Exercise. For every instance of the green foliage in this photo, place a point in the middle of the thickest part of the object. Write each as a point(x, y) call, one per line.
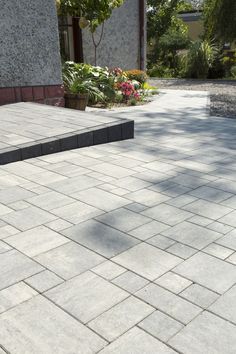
point(220, 19)
point(228, 62)
point(94, 11)
point(137, 75)
point(233, 71)
point(199, 59)
point(84, 78)
point(160, 70)
point(167, 35)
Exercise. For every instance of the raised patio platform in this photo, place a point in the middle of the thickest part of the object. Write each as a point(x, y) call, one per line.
point(29, 130)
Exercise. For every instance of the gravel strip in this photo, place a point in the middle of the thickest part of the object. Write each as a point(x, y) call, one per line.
point(222, 93)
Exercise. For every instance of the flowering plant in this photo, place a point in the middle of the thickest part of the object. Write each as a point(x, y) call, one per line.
point(128, 90)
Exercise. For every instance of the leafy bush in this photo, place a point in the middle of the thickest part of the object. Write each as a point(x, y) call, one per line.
point(159, 70)
point(233, 71)
point(199, 59)
point(137, 75)
point(228, 62)
point(98, 81)
point(75, 85)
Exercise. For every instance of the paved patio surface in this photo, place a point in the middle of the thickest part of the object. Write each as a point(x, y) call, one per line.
point(128, 247)
point(30, 130)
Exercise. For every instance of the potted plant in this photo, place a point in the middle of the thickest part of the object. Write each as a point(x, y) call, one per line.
point(79, 90)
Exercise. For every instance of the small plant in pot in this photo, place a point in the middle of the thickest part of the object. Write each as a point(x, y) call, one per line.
point(78, 91)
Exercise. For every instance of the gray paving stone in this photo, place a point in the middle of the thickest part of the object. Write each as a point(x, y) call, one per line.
point(136, 207)
point(159, 166)
point(167, 214)
point(138, 342)
point(192, 235)
point(86, 296)
point(200, 220)
point(130, 281)
point(169, 303)
point(231, 202)
point(147, 197)
point(225, 306)
point(4, 210)
point(101, 199)
point(4, 247)
point(119, 191)
point(218, 227)
point(43, 281)
point(76, 184)
point(58, 225)
point(173, 282)
point(20, 330)
point(46, 178)
point(37, 240)
point(14, 295)
point(208, 209)
point(19, 205)
point(206, 333)
point(77, 212)
point(189, 181)
point(229, 219)
point(148, 230)
point(7, 230)
point(69, 260)
point(14, 194)
point(210, 194)
point(120, 318)
point(112, 170)
point(181, 200)
point(208, 271)
point(199, 295)
point(100, 238)
point(50, 200)
point(160, 241)
point(218, 251)
point(232, 258)
point(161, 326)
point(228, 240)
point(131, 183)
point(155, 263)
point(195, 165)
point(108, 270)
point(170, 188)
point(181, 250)
point(28, 218)
point(123, 219)
point(16, 267)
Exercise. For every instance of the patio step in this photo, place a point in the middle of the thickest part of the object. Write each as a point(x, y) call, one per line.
point(30, 130)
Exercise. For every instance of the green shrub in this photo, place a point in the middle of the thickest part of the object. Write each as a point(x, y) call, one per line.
point(159, 70)
point(199, 59)
point(233, 71)
point(99, 79)
point(137, 75)
point(228, 62)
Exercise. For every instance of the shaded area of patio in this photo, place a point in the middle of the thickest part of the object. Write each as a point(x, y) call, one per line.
point(127, 247)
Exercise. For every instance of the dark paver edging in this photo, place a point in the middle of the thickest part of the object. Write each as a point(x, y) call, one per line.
point(100, 134)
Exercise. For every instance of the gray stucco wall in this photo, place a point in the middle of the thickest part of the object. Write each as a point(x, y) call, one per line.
point(29, 45)
point(120, 43)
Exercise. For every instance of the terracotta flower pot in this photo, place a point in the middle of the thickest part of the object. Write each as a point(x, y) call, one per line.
point(76, 101)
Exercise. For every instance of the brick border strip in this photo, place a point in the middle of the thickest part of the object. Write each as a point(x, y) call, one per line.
point(121, 129)
point(52, 95)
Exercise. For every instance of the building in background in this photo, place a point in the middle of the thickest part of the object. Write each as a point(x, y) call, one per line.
point(193, 19)
point(123, 41)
